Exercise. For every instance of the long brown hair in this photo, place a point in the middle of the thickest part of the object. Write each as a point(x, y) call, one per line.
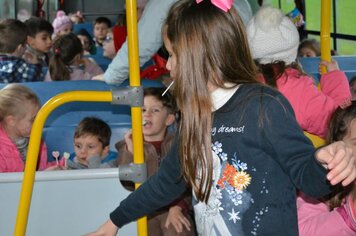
point(211, 48)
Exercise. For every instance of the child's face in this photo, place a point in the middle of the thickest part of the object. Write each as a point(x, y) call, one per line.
point(109, 47)
point(100, 31)
point(41, 42)
point(350, 137)
point(87, 146)
point(22, 125)
point(307, 52)
point(65, 31)
point(156, 119)
point(172, 60)
point(85, 42)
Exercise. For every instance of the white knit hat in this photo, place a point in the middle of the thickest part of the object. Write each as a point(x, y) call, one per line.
point(272, 36)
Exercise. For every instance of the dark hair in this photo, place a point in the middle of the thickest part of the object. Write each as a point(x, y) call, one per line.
point(65, 48)
point(273, 71)
point(167, 99)
point(104, 20)
point(352, 81)
point(339, 126)
point(95, 127)
point(12, 34)
point(36, 25)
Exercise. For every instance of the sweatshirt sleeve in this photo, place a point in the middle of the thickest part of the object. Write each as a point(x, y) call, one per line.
point(284, 140)
point(158, 191)
point(314, 218)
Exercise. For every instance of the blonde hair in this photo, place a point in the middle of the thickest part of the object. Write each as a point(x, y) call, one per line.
point(13, 98)
point(210, 47)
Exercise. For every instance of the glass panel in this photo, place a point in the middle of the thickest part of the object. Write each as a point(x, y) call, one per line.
point(24, 9)
point(346, 47)
point(345, 13)
point(7, 9)
point(313, 9)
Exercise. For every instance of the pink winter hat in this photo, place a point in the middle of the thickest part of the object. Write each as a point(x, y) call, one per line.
point(61, 21)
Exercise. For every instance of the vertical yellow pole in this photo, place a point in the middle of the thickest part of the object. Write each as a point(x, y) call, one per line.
point(136, 112)
point(325, 18)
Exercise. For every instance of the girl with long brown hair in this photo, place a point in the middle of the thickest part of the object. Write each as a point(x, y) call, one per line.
point(239, 146)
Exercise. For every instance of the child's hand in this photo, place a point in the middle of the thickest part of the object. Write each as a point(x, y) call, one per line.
point(128, 140)
point(177, 219)
point(107, 229)
point(30, 58)
point(330, 66)
point(341, 162)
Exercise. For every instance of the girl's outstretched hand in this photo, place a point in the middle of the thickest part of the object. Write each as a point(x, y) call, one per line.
point(177, 219)
point(107, 229)
point(340, 161)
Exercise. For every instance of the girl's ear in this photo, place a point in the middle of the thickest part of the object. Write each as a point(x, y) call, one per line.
point(30, 40)
point(170, 119)
point(10, 120)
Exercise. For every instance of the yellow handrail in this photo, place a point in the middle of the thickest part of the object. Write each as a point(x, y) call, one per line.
point(325, 16)
point(33, 147)
point(136, 112)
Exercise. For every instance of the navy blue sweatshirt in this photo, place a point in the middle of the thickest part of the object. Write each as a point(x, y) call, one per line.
point(261, 157)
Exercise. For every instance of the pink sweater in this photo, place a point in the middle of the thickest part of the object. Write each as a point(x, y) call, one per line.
point(314, 218)
point(311, 106)
point(10, 158)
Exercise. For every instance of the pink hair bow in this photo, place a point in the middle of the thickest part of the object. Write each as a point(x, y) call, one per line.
point(224, 5)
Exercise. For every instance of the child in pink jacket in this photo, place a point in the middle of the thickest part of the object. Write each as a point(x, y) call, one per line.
point(274, 41)
point(336, 213)
point(18, 108)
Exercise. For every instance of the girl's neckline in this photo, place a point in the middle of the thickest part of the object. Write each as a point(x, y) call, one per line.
point(220, 96)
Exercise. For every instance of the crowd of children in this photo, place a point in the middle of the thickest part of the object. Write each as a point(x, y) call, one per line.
point(238, 105)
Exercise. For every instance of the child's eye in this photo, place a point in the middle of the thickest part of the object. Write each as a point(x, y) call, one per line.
point(77, 146)
point(144, 109)
point(156, 110)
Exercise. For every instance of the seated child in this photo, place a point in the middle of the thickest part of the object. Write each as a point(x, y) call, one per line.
point(13, 36)
point(18, 108)
point(309, 48)
point(91, 146)
point(87, 42)
point(101, 27)
point(68, 63)
point(158, 113)
point(39, 40)
point(115, 37)
point(61, 24)
point(335, 214)
point(274, 41)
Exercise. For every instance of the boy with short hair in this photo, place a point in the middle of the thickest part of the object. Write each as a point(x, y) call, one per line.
point(91, 145)
point(101, 28)
point(39, 40)
point(14, 69)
